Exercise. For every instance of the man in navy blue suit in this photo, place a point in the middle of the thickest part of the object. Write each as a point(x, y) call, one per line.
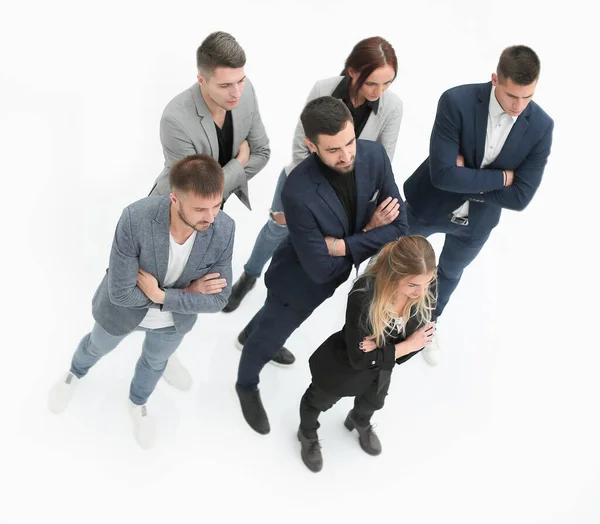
point(342, 206)
point(488, 149)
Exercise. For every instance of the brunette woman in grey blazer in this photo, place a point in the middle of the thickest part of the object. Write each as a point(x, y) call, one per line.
point(369, 70)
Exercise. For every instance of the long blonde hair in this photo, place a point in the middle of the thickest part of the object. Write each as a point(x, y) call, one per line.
point(406, 256)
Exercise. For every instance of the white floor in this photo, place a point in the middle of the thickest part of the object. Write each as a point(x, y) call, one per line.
point(505, 430)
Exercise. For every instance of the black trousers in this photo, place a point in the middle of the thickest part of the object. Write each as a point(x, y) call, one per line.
point(267, 333)
point(316, 400)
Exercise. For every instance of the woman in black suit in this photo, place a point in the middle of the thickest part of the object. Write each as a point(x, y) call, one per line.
point(388, 320)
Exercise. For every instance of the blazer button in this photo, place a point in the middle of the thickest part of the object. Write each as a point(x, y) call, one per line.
point(372, 363)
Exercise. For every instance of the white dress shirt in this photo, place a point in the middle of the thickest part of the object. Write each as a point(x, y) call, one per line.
point(499, 124)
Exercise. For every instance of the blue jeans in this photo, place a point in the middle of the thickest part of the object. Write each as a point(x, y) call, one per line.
point(270, 235)
point(460, 249)
point(159, 345)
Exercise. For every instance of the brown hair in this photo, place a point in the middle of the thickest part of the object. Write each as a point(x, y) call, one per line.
point(366, 56)
point(219, 49)
point(198, 174)
point(405, 257)
point(520, 64)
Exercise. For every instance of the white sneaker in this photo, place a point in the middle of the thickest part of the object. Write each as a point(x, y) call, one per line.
point(62, 393)
point(176, 375)
point(433, 351)
point(144, 429)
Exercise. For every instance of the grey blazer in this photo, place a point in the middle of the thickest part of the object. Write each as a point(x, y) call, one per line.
point(381, 127)
point(142, 241)
point(187, 128)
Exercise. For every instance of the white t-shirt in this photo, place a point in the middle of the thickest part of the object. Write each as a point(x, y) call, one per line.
point(499, 124)
point(178, 257)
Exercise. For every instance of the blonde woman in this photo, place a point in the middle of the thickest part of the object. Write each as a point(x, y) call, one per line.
point(388, 320)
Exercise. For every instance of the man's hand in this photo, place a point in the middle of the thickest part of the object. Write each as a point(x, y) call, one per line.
point(207, 285)
point(460, 161)
point(244, 154)
point(385, 213)
point(510, 176)
point(339, 250)
point(149, 286)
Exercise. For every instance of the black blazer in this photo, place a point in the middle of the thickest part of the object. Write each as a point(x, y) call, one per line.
point(301, 272)
point(339, 367)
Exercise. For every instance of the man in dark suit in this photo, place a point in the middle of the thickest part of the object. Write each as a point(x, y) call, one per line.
point(488, 149)
point(342, 205)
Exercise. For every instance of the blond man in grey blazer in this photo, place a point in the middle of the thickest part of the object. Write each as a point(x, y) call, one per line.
point(377, 113)
point(170, 260)
point(217, 116)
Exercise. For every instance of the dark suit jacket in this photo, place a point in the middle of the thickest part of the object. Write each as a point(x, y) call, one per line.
point(339, 366)
point(438, 186)
point(302, 273)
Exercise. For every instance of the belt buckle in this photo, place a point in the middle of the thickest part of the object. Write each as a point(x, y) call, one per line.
point(461, 221)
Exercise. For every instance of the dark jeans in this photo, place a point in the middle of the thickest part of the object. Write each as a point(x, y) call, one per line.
point(267, 332)
point(461, 247)
point(316, 400)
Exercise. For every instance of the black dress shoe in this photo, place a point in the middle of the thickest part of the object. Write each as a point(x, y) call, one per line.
point(367, 438)
point(311, 451)
point(253, 410)
point(239, 290)
point(284, 357)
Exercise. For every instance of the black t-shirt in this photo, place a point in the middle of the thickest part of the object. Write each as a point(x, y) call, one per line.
point(344, 185)
point(360, 114)
point(225, 139)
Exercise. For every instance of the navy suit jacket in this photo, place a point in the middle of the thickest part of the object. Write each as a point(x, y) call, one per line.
point(302, 273)
point(438, 186)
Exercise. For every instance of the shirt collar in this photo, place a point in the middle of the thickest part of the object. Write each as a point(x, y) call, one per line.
point(495, 107)
point(342, 91)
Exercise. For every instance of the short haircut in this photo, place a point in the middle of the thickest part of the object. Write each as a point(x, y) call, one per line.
point(520, 64)
point(198, 174)
point(219, 49)
point(324, 116)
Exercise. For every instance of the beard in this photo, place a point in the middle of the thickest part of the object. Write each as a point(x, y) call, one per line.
point(341, 170)
point(198, 226)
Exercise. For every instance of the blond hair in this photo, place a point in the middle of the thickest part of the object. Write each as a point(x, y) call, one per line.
point(407, 256)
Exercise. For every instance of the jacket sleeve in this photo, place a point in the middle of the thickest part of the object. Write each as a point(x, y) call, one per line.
point(364, 245)
point(444, 147)
point(175, 141)
point(528, 177)
point(388, 137)
point(123, 268)
point(357, 328)
point(299, 148)
point(189, 302)
point(309, 243)
point(236, 176)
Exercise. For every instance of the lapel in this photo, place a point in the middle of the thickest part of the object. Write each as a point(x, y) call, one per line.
point(201, 243)
point(513, 140)
point(363, 189)
point(160, 239)
point(206, 121)
point(481, 118)
point(329, 196)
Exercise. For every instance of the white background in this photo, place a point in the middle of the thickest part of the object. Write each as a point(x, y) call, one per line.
point(504, 430)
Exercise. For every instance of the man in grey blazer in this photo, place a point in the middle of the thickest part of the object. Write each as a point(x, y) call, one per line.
point(217, 116)
point(170, 260)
